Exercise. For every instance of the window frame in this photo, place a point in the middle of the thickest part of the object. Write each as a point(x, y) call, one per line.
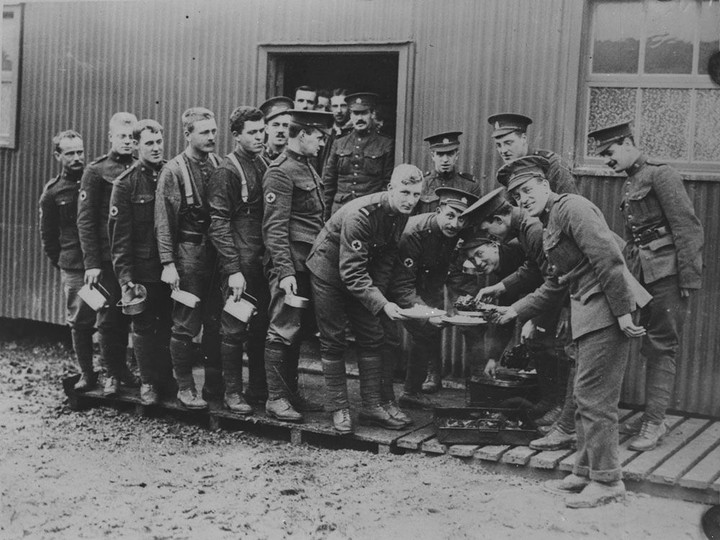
point(9, 140)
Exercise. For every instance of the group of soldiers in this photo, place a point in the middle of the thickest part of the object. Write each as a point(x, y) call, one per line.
point(309, 210)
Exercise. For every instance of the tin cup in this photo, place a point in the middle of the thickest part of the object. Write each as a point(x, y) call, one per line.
point(135, 305)
point(185, 298)
point(297, 301)
point(243, 309)
point(96, 296)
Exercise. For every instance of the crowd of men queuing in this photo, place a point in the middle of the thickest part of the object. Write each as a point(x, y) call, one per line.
point(309, 210)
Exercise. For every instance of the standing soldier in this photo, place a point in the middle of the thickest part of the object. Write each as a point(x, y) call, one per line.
point(427, 248)
point(93, 209)
point(276, 126)
point(58, 231)
point(444, 152)
point(293, 219)
point(236, 205)
point(664, 252)
point(341, 123)
point(137, 263)
point(305, 98)
point(360, 163)
point(352, 262)
point(511, 141)
point(182, 219)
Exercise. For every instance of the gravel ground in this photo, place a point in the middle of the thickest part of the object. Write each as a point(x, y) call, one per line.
point(107, 474)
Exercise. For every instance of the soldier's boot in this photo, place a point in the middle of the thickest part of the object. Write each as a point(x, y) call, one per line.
point(231, 355)
point(256, 392)
point(297, 398)
point(659, 385)
point(83, 347)
point(182, 352)
point(213, 386)
point(129, 371)
point(387, 391)
point(372, 412)
point(336, 395)
point(110, 362)
point(145, 353)
point(278, 406)
point(167, 386)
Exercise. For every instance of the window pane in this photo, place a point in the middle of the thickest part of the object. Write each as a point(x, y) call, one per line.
point(707, 126)
point(670, 36)
point(664, 122)
point(610, 106)
point(616, 28)
point(709, 33)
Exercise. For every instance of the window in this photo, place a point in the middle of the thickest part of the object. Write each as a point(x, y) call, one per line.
point(9, 74)
point(648, 63)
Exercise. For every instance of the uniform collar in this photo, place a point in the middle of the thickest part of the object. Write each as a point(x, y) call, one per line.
point(149, 171)
point(385, 204)
point(271, 154)
point(635, 167)
point(124, 158)
point(71, 176)
point(548, 207)
point(245, 155)
point(444, 175)
point(294, 155)
point(186, 152)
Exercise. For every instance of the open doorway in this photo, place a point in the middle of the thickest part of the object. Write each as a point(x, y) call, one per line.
point(383, 69)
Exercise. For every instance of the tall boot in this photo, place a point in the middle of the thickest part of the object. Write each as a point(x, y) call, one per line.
point(110, 361)
point(127, 367)
point(297, 398)
point(145, 354)
point(336, 396)
point(83, 347)
point(231, 355)
point(256, 391)
point(372, 413)
point(182, 352)
point(278, 404)
point(387, 392)
point(164, 365)
point(213, 387)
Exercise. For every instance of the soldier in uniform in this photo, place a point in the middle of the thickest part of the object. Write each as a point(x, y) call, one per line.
point(426, 250)
point(137, 264)
point(93, 209)
point(182, 219)
point(58, 231)
point(584, 260)
point(444, 152)
point(236, 204)
point(293, 218)
point(351, 264)
point(664, 252)
point(305, 98)
point(361, 162)
point(277, 122)
point(323, 100)
point(341, 123)
point(511, 141)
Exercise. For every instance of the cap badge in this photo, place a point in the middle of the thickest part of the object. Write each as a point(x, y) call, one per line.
point(463, 200)
point(446, 141)
point(497, 125)
point(358, 101)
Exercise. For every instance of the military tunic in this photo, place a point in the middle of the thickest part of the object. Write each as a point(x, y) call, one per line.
point(359, 164)
point(454, 179)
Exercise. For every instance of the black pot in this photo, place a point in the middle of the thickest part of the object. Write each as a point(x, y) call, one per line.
point(492, 392)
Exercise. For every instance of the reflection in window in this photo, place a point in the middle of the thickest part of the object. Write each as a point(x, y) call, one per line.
point(9, 74)
point(616, 46)
point(670, 35)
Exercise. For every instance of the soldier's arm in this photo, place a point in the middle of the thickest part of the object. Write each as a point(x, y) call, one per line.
point(388, 162)
point(120, 232)
point(89, 220)
point(278, 192)
point(167, 208)
point(564, 179)
point(685, 226)
point(403, 286)
point(50, 227)
point(221, 202)
point(548, 296)
point(330, 179)
point(529, 276)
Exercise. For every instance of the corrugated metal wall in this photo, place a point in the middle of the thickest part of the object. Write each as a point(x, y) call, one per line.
point(83, 61)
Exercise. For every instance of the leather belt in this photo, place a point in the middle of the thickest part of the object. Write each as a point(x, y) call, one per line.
point(191, 237)
point(645, 237)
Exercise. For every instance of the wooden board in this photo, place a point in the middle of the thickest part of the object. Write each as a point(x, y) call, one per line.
point(520, 455)
point(433, 446)
point(491, 453)
point(550, 458)
point(462, 450)
point(701, 476)
point(414, 439)
point(671, 471)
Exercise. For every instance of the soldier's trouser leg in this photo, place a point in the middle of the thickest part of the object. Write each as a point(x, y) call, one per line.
point(336, 394)
point(370, 367)
point(276, 371)
point(112, 326)
point(83, 347)
point(663, 318)
point(183, 353)
point(151, 336)
point(601, 359)
point(81, 319)
point(389, 353)
point(567, 416)
point(231, 354)
point(255, 345)
point(425, 344)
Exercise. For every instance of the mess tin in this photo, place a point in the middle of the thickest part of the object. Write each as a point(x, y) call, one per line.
point(243, 309)
point(95, 296)
point(136, 305)
point(186, 298)
point(297, 301)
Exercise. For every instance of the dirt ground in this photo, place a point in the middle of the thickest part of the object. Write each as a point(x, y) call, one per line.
point(105, 474)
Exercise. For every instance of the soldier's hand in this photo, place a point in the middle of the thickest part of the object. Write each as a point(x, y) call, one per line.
point(503, 314)
point(563, 324)
point(237, 285)
point(92, 276)
point(392, 310)
point(528, 331)
point(492, 290)
point(490, 368)
point(436, 322)
point(684, 293)
point(628, 328)
point(289, 285)
point(170, 276)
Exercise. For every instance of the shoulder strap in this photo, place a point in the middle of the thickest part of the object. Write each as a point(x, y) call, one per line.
point(215, 160)
point(243, 178)
point(187, 182)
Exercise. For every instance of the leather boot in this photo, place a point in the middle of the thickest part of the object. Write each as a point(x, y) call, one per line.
point(649, 437)
point(372, 413)
point(182, 353)
point(110, 362)
point(231, 355)
point(297, 399)
point(83, 347)
point(336, 396)
point(256, 392)
point(145, 352)
point(278, 406)
point(387, 391)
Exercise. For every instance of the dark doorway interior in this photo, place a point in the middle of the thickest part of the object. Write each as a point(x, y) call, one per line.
point(358, 72)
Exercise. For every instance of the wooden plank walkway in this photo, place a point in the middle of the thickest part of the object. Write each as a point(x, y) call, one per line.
point(686, 465)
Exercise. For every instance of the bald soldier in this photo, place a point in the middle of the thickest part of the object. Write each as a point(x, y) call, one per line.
point(511, 142)
point(444, 152)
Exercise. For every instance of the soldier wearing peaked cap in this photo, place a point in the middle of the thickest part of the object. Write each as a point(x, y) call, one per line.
point(511, 142)
point(585, 260)
point(360, 162)
point(444, 152)
point(92, 220)
point(496, 217)
point(664, 252)
point(277, 122)
point(427, 249)
point(292, 219)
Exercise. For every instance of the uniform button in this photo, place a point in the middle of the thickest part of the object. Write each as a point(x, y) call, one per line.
point(355, 174)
